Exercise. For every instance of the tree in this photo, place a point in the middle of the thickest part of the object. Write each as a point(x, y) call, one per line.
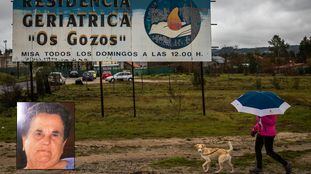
point(254, 66)
point(232, 58)
point(305, 49)
point(279, 48)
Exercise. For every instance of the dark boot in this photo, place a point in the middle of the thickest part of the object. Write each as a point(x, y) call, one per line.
point(288, 168)
point(255, 170)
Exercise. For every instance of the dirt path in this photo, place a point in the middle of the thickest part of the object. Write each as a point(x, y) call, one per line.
point(136, 155)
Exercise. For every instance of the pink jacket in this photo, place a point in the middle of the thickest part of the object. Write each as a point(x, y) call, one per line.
point(267, 125)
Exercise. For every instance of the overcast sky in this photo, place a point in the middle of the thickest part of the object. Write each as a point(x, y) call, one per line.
point(245, 23)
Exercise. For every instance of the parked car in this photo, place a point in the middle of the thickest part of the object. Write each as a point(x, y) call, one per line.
point(87, 76)
point(56, 78)
point(73, 74)
point(106, 74)
point(94, 73)
point(124, 76)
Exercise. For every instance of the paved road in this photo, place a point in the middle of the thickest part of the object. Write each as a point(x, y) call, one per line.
point(69, 81)
point(72, 81)
point(138, 80)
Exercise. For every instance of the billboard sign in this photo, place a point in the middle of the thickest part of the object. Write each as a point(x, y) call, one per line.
point(111, 30)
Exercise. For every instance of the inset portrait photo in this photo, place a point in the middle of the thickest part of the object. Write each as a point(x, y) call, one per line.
point(45, 136)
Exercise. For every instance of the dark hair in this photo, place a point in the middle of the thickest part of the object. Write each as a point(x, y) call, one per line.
point(49, 108)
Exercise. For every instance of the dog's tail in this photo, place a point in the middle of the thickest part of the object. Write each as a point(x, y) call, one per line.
point(230, 147)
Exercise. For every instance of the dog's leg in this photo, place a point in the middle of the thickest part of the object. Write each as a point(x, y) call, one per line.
point(231, 165)
point(220, 167)
point(221, 160)
point(203, 165)
point(207, 163)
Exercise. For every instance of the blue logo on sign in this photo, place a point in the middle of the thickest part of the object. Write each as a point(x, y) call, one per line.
point(172, 24)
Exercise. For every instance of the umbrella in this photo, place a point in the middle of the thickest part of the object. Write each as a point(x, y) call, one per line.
point(260, 103)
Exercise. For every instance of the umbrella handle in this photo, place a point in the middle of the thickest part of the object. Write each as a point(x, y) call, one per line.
point(260, 123)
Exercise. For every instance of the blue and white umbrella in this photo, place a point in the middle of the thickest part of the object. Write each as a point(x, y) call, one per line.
point(260, 103)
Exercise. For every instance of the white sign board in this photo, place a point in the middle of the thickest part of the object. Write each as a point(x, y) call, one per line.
point(112, 30)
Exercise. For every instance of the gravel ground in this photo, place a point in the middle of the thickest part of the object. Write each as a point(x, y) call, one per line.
point(136, 155)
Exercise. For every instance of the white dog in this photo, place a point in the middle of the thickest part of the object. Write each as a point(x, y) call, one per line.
point(208, 154)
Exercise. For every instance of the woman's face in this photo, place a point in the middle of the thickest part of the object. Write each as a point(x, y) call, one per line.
point(44, 142)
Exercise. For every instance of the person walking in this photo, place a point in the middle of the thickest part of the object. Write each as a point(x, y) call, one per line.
point(265, 129)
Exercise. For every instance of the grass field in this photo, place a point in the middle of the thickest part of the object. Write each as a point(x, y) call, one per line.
point(174, 113)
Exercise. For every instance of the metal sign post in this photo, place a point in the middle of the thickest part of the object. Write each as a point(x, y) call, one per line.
point(169, 78)
point(17, 69)
point(133, 83)
point(142, 81)
point(202, 88)
point(101, 90)
point(31, 82)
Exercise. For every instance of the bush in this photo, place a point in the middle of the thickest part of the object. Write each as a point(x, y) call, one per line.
point(258, 84)
point(296, 83)
point(42, 83)
point(10, 93)
point(276, 83)
point(175, 98)
point(196, 79)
